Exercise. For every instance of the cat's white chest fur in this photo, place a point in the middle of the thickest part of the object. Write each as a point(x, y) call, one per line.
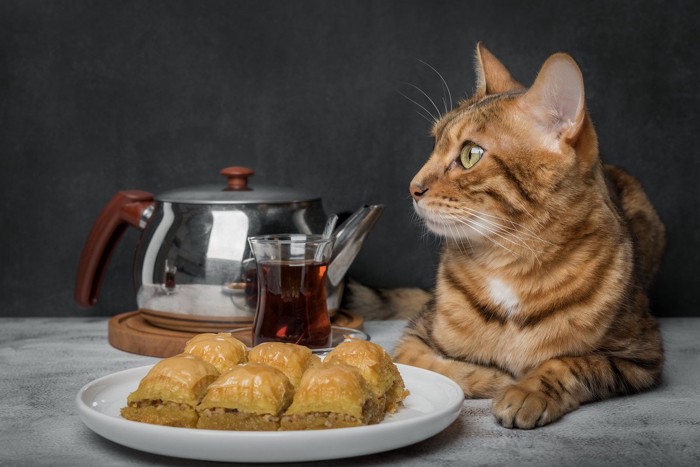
point(502, 294)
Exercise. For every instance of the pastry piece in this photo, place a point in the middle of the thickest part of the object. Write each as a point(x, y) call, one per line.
point(376, 367)
point(171, 390)
point(221, 350)
point(291, 359)
point(332, 396)
point(249, 397)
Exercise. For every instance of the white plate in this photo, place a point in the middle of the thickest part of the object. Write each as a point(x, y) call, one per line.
point(434, 403)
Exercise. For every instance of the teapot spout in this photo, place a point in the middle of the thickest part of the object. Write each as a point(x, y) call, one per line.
point(348, 239)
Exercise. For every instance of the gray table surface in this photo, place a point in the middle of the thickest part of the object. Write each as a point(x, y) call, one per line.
point(45, 361)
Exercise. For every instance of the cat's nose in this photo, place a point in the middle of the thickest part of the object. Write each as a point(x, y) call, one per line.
point(417, 190)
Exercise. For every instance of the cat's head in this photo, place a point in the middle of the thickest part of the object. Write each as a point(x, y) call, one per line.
point(507, 154)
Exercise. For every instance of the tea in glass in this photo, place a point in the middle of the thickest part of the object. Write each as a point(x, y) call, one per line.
point(291, 277)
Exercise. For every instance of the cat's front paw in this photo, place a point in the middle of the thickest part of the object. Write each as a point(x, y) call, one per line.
point(517, 407)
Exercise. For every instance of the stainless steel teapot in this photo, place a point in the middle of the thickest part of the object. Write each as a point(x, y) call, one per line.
point(193, 259)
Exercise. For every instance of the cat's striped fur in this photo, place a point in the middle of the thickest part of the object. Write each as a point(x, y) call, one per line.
point(540, 300)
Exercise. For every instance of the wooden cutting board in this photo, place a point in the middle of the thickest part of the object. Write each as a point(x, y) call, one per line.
point(133, 333)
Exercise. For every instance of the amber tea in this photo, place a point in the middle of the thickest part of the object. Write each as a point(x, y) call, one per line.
point(292, 304)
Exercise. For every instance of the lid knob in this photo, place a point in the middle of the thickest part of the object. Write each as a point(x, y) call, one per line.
point(237, 178)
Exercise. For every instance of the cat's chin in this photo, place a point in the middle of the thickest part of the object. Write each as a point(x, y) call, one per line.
point(454, 230)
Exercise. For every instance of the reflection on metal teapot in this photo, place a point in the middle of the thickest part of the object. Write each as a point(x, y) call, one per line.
point(200, 234)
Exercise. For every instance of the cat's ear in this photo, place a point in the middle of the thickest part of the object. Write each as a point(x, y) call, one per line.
point(556, 100)
point(491, 76)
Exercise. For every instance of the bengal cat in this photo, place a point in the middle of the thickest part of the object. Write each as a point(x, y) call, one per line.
point(540, 300)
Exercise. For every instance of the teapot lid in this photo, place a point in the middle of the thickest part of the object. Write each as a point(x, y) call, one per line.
point(237, 191)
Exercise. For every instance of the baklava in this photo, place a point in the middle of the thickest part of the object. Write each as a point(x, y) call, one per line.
point(332, 396)
point(249, 397)
point(170, 392)
point(376, 366)
point(221, 350)
point(291, 359)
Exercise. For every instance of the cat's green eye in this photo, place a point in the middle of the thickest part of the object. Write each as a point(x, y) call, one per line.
point(470, 155)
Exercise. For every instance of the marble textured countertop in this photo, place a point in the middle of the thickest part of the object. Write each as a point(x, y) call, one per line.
point(45, 361)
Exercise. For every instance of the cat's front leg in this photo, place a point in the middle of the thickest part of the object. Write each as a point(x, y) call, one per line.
point(542, 396)
point(560, 385)
point(477, 381)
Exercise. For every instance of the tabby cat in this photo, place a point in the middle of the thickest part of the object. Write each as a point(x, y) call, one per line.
point(540, 300)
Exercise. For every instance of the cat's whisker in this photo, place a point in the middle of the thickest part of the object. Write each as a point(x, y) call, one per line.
point(474, 225)
point(434, 118)
point(474, 211)
point(427, 233)
point(491, 239)
point(444, 83)
point(432, 122)
point(482, 217)
point(535, 252)
point(470, 244)
point(416, 219)
point(525, 210)
point(516, 241)
point(449, 227)
point(427, 97)
point(456, 239)
point(514, 227)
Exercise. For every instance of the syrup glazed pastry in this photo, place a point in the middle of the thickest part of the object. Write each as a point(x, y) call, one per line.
point(249, 397)
point(332, 396)
point(221, 350)
point(377, 368)
point(170, 391)
point(291, 359)
point(210, 386)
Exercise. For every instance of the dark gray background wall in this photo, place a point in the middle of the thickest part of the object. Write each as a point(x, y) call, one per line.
point(97, 97)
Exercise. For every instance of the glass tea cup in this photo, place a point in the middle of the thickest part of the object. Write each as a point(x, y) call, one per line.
point(291, 276)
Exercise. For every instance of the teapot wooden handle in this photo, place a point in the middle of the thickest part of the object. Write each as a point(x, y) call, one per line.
point(124, 209)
